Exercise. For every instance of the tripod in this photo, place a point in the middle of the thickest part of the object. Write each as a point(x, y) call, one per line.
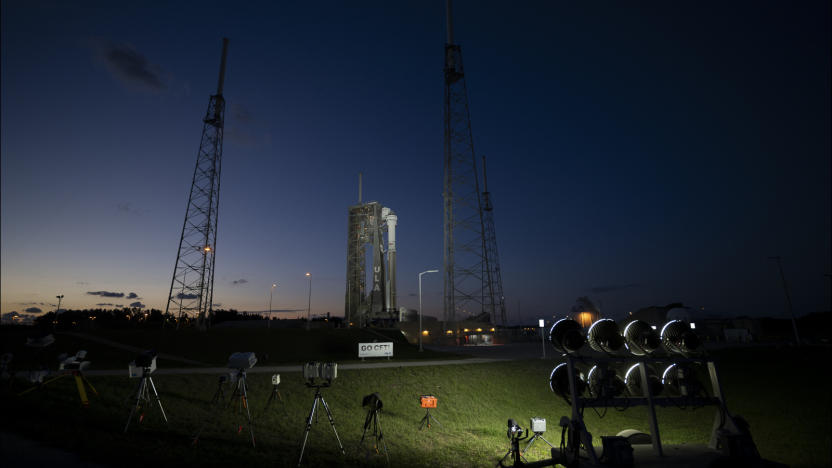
point(514, 450)
point(275, 395)
point(427, 419)
point(537, 435)
point(80, 382)
point(318, 397)
point(241, 391)
point(143, 395)
point(373, 420)
point(216, 400)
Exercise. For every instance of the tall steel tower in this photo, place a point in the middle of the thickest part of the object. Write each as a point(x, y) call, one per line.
point(468, 290)
point(192, 284)
point(491, 253)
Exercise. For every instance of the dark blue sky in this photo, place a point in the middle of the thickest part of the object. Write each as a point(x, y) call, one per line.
point(639, 154)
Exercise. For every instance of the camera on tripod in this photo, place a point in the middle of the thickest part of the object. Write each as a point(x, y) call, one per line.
point(73, 363)
point(242, 361)
point(372, 402)
point(313, 371)
point(144, 364)
point(514, 430)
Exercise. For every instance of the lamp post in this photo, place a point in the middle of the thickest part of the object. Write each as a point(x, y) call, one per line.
point(309, 304)
point(542, 324)
point(59, 297)
point(788, 299)
point(269, 318)
point(420, 305)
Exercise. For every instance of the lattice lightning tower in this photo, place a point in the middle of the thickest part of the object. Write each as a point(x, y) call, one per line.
point(192, 285)
point(491, 253)
point(468, 289)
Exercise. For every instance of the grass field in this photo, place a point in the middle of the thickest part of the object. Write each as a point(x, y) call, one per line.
point(789, 420)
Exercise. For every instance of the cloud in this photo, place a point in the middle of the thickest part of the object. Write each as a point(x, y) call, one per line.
point(105, 304)
point(33, 310)
point(130, 67)
point(125, 207)
point(240, 281)
point(82, 283)
point(105, 294)
point(187, 296)
point(613, 287)
point(132, 295)
point(137, 305)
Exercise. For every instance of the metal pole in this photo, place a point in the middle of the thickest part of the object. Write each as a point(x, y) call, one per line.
point(542, 324)
point(788, 299)
point(349, 301)
point(420, 305)
point(55, 320)
point(309, 304)
point(269, 318)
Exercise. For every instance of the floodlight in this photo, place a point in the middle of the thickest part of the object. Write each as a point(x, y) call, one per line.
point(640, 338)
point(677, 337)
point(604, 336)
point(566, 337)
point(632, 379)
point(242, 361)
point(603, 382)
point(681, 379)
point(559, 382)
point(373, 401)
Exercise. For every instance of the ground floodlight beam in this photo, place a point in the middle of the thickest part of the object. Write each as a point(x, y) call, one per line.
point(632, 379)
point(566, 337)
point(677, 337)
point(640, 338)
point(559, 382)
point(604, 336)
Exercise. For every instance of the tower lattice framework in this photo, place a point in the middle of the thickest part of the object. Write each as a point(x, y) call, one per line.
point(491, 252)
point(192, 285)
point(468, 288)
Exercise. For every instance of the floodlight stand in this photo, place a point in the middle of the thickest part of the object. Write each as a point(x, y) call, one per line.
point(143, 395)
point(216, 401)
point(373, 421)
point(241, 392)
point(537, 435)
point(427, 419)
point(319, 397)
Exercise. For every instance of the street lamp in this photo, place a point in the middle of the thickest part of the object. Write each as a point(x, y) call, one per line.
point(420, 305)
point(269, 318)
point(57, 311)
point(309, 304)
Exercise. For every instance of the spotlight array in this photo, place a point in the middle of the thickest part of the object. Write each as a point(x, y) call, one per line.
point(632, 379)
point(640, 338)
point(604, 336)
point(559, 382)
point(678, 337)
point(566, 336)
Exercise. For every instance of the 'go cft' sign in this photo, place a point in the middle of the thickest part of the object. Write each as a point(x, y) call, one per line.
point(375, 349)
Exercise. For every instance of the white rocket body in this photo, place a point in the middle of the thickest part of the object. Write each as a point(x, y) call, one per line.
point(390, 217)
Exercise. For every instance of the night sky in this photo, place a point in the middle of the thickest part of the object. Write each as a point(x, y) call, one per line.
point(640, 154)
